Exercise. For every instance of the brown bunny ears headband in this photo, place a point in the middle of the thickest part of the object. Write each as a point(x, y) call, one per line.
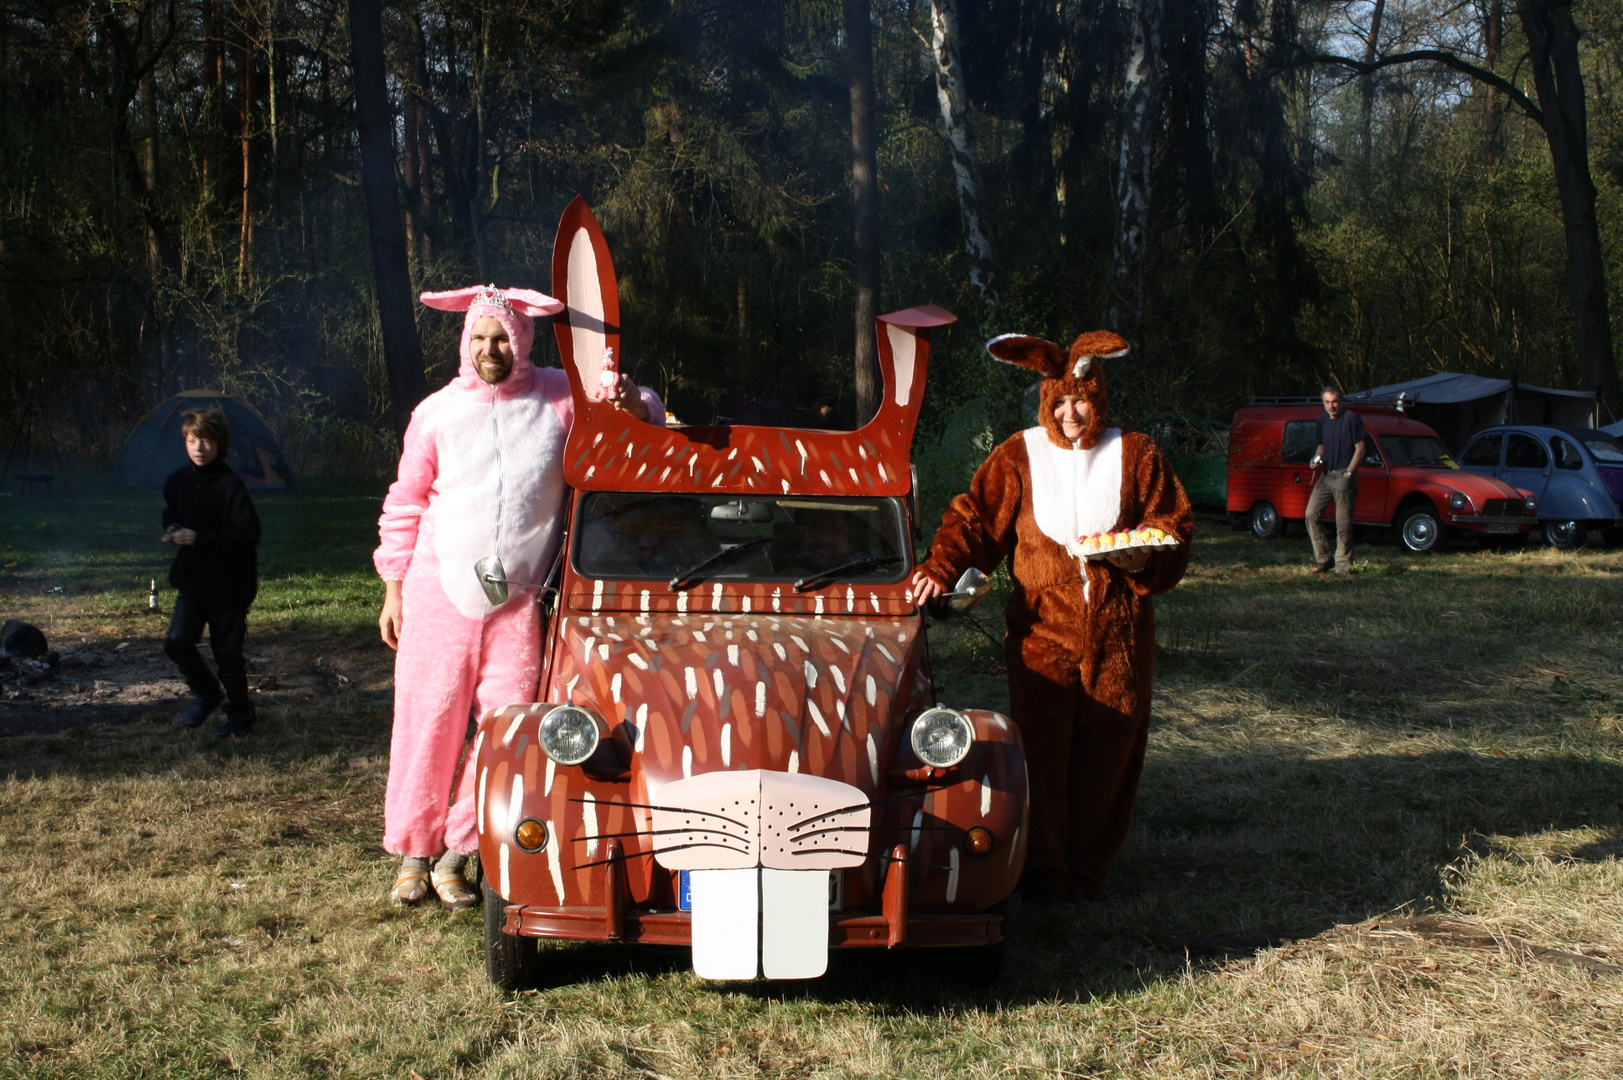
point(1046, 358)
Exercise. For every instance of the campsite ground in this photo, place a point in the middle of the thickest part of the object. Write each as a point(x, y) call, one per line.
point(1435, 740)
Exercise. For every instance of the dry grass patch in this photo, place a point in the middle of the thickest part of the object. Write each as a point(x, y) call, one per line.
point(1435, 739)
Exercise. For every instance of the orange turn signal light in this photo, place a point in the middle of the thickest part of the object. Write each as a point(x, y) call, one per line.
point(978, 842)
point(530, 835)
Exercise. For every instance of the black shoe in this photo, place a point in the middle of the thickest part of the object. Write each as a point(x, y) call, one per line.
point(235, 727)
point(201, 709)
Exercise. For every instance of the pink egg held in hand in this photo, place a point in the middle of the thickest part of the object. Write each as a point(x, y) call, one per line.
point(608, 377)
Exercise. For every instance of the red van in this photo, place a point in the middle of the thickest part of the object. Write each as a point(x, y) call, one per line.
point(1407, 482)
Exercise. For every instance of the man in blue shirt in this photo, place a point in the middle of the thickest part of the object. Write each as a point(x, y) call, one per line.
point(1341, 451)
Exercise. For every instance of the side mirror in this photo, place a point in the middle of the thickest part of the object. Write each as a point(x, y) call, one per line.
point(970, 590)
point(492, 579)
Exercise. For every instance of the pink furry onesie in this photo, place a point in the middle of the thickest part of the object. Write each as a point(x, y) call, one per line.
point(481, 473)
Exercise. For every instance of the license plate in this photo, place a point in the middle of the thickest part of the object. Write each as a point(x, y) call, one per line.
point(684, 891)
point(1501, 528)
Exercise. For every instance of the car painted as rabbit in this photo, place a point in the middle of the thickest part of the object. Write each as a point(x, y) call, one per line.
point(739, 746)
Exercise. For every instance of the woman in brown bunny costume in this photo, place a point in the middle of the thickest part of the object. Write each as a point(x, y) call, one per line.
point(1081, 635)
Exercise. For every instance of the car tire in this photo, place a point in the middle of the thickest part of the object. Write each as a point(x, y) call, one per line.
point(511, 962)
point(1265, 521)
point(1564, 535)
point(1420, 530)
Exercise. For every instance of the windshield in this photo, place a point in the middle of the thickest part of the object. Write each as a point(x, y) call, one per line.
point(733, 538)
point(1605, 451)
point(1416, 450)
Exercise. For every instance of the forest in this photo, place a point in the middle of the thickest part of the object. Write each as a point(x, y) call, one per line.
point(1262, 195)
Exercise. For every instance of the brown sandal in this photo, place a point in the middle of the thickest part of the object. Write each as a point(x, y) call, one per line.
point(411, 887)
point(454, 892)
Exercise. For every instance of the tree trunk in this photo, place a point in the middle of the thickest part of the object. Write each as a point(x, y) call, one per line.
point(864, 202)
point(245, 108)
point(402, 351)
point(966, 169)
point(1492, 39)
point(209, 114)
point(1133, 168)
point(1553, 51)
point(1366, 92)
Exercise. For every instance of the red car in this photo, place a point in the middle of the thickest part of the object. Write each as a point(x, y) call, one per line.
point(1407, 482)
point(740, 747)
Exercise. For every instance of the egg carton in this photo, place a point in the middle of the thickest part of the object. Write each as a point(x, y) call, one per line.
point(1128, 540)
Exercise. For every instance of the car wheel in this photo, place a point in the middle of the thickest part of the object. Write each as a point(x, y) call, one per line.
point(511, 962)
point(1265, 521)
point(1420, 531)
point(1564, 535)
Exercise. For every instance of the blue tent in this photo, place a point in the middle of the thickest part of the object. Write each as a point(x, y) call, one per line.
point(1458, 406)
point(157, 448)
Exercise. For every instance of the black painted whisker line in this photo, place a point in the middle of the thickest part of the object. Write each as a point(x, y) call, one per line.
point(666, 809)
point(867, 855)
point(873, 828)
point(661, 851)
point(623, 857)
point(652, 832)
point(915, 862)
point(803, 822)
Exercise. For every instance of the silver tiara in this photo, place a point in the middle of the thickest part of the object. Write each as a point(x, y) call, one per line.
point(490, 296)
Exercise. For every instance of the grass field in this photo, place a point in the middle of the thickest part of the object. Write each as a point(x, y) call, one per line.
point(1378, 837)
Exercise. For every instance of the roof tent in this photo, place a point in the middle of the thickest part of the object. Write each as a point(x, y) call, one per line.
point(157, 448)
point(1458, 406)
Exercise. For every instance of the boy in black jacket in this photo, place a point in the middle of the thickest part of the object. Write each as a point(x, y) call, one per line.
point(207, 514)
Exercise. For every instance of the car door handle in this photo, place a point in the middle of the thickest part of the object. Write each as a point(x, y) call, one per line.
point(1297, 479)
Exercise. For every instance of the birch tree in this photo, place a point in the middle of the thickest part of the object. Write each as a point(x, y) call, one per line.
point(954, 102)
point(1133, 166)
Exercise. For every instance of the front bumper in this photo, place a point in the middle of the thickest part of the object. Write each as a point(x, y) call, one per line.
point(890, 926)
point(1478, 521)
point(846, 929)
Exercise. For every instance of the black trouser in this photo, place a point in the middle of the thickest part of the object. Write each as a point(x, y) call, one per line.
point(227, 629)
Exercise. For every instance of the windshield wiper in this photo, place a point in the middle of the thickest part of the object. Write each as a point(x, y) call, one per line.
point(856, 566)
point(725, 554)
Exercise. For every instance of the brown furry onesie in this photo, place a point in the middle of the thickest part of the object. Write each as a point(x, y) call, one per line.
point(1081, 636)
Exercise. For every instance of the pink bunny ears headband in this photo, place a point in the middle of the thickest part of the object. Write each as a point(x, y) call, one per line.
point(1046, 358)
point(524, 301)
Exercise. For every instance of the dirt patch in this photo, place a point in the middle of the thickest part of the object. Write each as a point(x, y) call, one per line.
point(111, 680)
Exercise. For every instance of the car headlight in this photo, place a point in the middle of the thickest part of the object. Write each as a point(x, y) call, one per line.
point(1531, 502)
point(942, 737)
point(569, 734)
point(1457, 501)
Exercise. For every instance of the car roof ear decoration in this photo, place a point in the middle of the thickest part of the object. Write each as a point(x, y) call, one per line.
point(608, 450)
point(588, 327)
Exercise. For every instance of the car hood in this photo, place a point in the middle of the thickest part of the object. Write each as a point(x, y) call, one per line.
point(692, 695)
point(1479, 487)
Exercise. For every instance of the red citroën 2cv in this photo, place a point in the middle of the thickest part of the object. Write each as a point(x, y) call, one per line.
point(740, 748)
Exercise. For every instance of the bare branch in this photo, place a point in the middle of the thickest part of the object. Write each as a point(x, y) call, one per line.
point(1434, 56)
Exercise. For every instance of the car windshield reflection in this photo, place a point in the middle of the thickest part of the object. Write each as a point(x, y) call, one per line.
point(1417, 450)
point(1605, 451)
point(731, 538)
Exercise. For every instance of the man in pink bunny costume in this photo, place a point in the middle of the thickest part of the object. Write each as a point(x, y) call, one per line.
point(481, 474)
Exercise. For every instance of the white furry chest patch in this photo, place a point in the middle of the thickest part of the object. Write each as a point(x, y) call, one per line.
point(498, 492)
point(1075, 492)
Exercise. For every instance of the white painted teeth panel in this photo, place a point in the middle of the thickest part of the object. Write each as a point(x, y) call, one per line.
point(726, 920)
point(794, 923)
